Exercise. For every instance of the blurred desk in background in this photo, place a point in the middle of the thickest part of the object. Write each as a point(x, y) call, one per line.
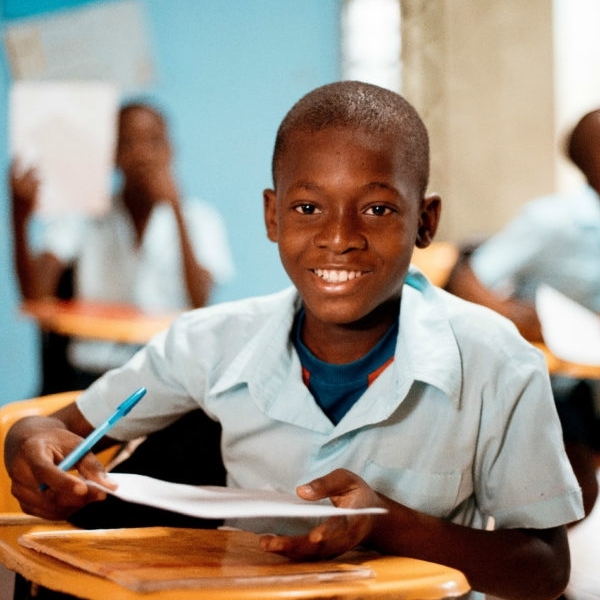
point(113, 322)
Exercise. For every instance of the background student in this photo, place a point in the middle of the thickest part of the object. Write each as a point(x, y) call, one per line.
point(554, 240)
point(362, 383)
point(153, 249)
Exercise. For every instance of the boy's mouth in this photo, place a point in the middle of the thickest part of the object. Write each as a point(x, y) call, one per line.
point(337, 275)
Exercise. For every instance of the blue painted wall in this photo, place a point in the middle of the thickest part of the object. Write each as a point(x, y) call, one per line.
point(227, 73)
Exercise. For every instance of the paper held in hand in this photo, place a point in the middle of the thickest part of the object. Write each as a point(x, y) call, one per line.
point(66, 131)
point(571, 331)
point(214, 502)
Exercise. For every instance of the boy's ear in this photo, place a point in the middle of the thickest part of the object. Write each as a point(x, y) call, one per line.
point(270, 213)
point(431, 208)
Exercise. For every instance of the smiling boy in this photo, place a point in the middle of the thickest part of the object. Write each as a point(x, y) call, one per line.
point(363, 380)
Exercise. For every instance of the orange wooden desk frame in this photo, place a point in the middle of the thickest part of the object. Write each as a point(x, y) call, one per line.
point(110, 322)
point(423, 580)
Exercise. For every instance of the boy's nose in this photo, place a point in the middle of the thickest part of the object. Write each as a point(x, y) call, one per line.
point(340, 233)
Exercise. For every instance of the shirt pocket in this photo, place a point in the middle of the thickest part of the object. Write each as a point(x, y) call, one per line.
point(434, 493)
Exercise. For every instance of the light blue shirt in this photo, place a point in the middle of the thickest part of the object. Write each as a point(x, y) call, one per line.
point(446, 429)
point(553, 240)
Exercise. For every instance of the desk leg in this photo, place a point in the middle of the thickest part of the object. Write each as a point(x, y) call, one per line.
point(7, 583)
point(25, 590)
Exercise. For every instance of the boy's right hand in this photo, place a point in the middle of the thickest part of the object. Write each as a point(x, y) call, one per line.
point(33, 462)
point(24, 186)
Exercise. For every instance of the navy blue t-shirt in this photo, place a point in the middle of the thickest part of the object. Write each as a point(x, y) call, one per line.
point(337, 387)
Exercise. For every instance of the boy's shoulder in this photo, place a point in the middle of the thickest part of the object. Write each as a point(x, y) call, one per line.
point(251, 311)
point(482, 331)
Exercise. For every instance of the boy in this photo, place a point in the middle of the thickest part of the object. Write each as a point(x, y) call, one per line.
point(553, 240)
point(426, 411)
point(154, 249)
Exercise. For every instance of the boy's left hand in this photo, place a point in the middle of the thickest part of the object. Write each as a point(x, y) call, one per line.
point(338, 534)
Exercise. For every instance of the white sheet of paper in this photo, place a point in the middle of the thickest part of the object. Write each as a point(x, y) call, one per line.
point(214, 502)
point(571, 331)
point(66, 130)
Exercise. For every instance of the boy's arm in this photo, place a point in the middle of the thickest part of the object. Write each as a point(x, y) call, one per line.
point(33, 448)
point(38, 275)
point(512, 564)
point(464, 283)
point(161, 186)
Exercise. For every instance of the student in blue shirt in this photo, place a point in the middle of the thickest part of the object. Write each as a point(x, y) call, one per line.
point(553, 240)
point(362, 383)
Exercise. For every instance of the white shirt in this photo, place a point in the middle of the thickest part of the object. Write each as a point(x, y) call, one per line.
point(110, 267)
point(461, 425)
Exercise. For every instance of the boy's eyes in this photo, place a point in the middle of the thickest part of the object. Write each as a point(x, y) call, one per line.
point(377, 210)
point(306, 209)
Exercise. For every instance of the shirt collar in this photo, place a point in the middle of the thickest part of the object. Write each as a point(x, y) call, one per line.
point(426, 351)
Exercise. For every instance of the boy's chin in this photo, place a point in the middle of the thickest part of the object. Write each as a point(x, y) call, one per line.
point(345, 319)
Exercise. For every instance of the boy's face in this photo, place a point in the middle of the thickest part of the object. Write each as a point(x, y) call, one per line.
point(143, 143)
point(346, 215)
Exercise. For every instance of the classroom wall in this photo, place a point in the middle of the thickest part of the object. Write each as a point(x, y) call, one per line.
point(227, 73)
point(498, 84)
point(481, 73)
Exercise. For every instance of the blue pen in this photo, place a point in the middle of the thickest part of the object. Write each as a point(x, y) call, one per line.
point(91, 440)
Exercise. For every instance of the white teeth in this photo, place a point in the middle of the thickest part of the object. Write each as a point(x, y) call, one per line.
point(334, 276)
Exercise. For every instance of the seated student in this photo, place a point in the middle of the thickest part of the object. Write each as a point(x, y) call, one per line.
point(362, 382)
point(153, 249)
point(553, 240)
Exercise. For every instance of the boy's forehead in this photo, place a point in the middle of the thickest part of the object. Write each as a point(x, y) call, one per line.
point(379, 157)
point(345, 142)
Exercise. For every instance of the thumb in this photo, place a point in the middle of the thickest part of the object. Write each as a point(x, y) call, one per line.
point(336, 483)
point(90, 467)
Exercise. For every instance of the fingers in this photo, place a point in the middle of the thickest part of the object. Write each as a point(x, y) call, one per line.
point(337, 485)
point(91, 468)
point(46, 491)
point(24, 188)
point(338, 534)
point(57, 499)
point(332, 538)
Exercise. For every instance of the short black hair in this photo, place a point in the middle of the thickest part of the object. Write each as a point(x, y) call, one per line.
point(134, 105)
point(359, 105)
point(578, 142)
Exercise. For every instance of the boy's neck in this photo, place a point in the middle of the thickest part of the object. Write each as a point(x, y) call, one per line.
point(139, 209)
point(345, 343)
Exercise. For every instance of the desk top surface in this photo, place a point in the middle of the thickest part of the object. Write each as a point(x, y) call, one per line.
point(113, 322)
point(227, 553)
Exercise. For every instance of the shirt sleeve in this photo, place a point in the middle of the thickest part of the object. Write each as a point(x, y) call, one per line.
point(514, 252)
point(62, 236)
point(165, 367)
point(527, 478)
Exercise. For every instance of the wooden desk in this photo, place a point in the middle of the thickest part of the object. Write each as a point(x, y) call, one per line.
point(113, 322)
point(557, 366)
point(396, 577)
